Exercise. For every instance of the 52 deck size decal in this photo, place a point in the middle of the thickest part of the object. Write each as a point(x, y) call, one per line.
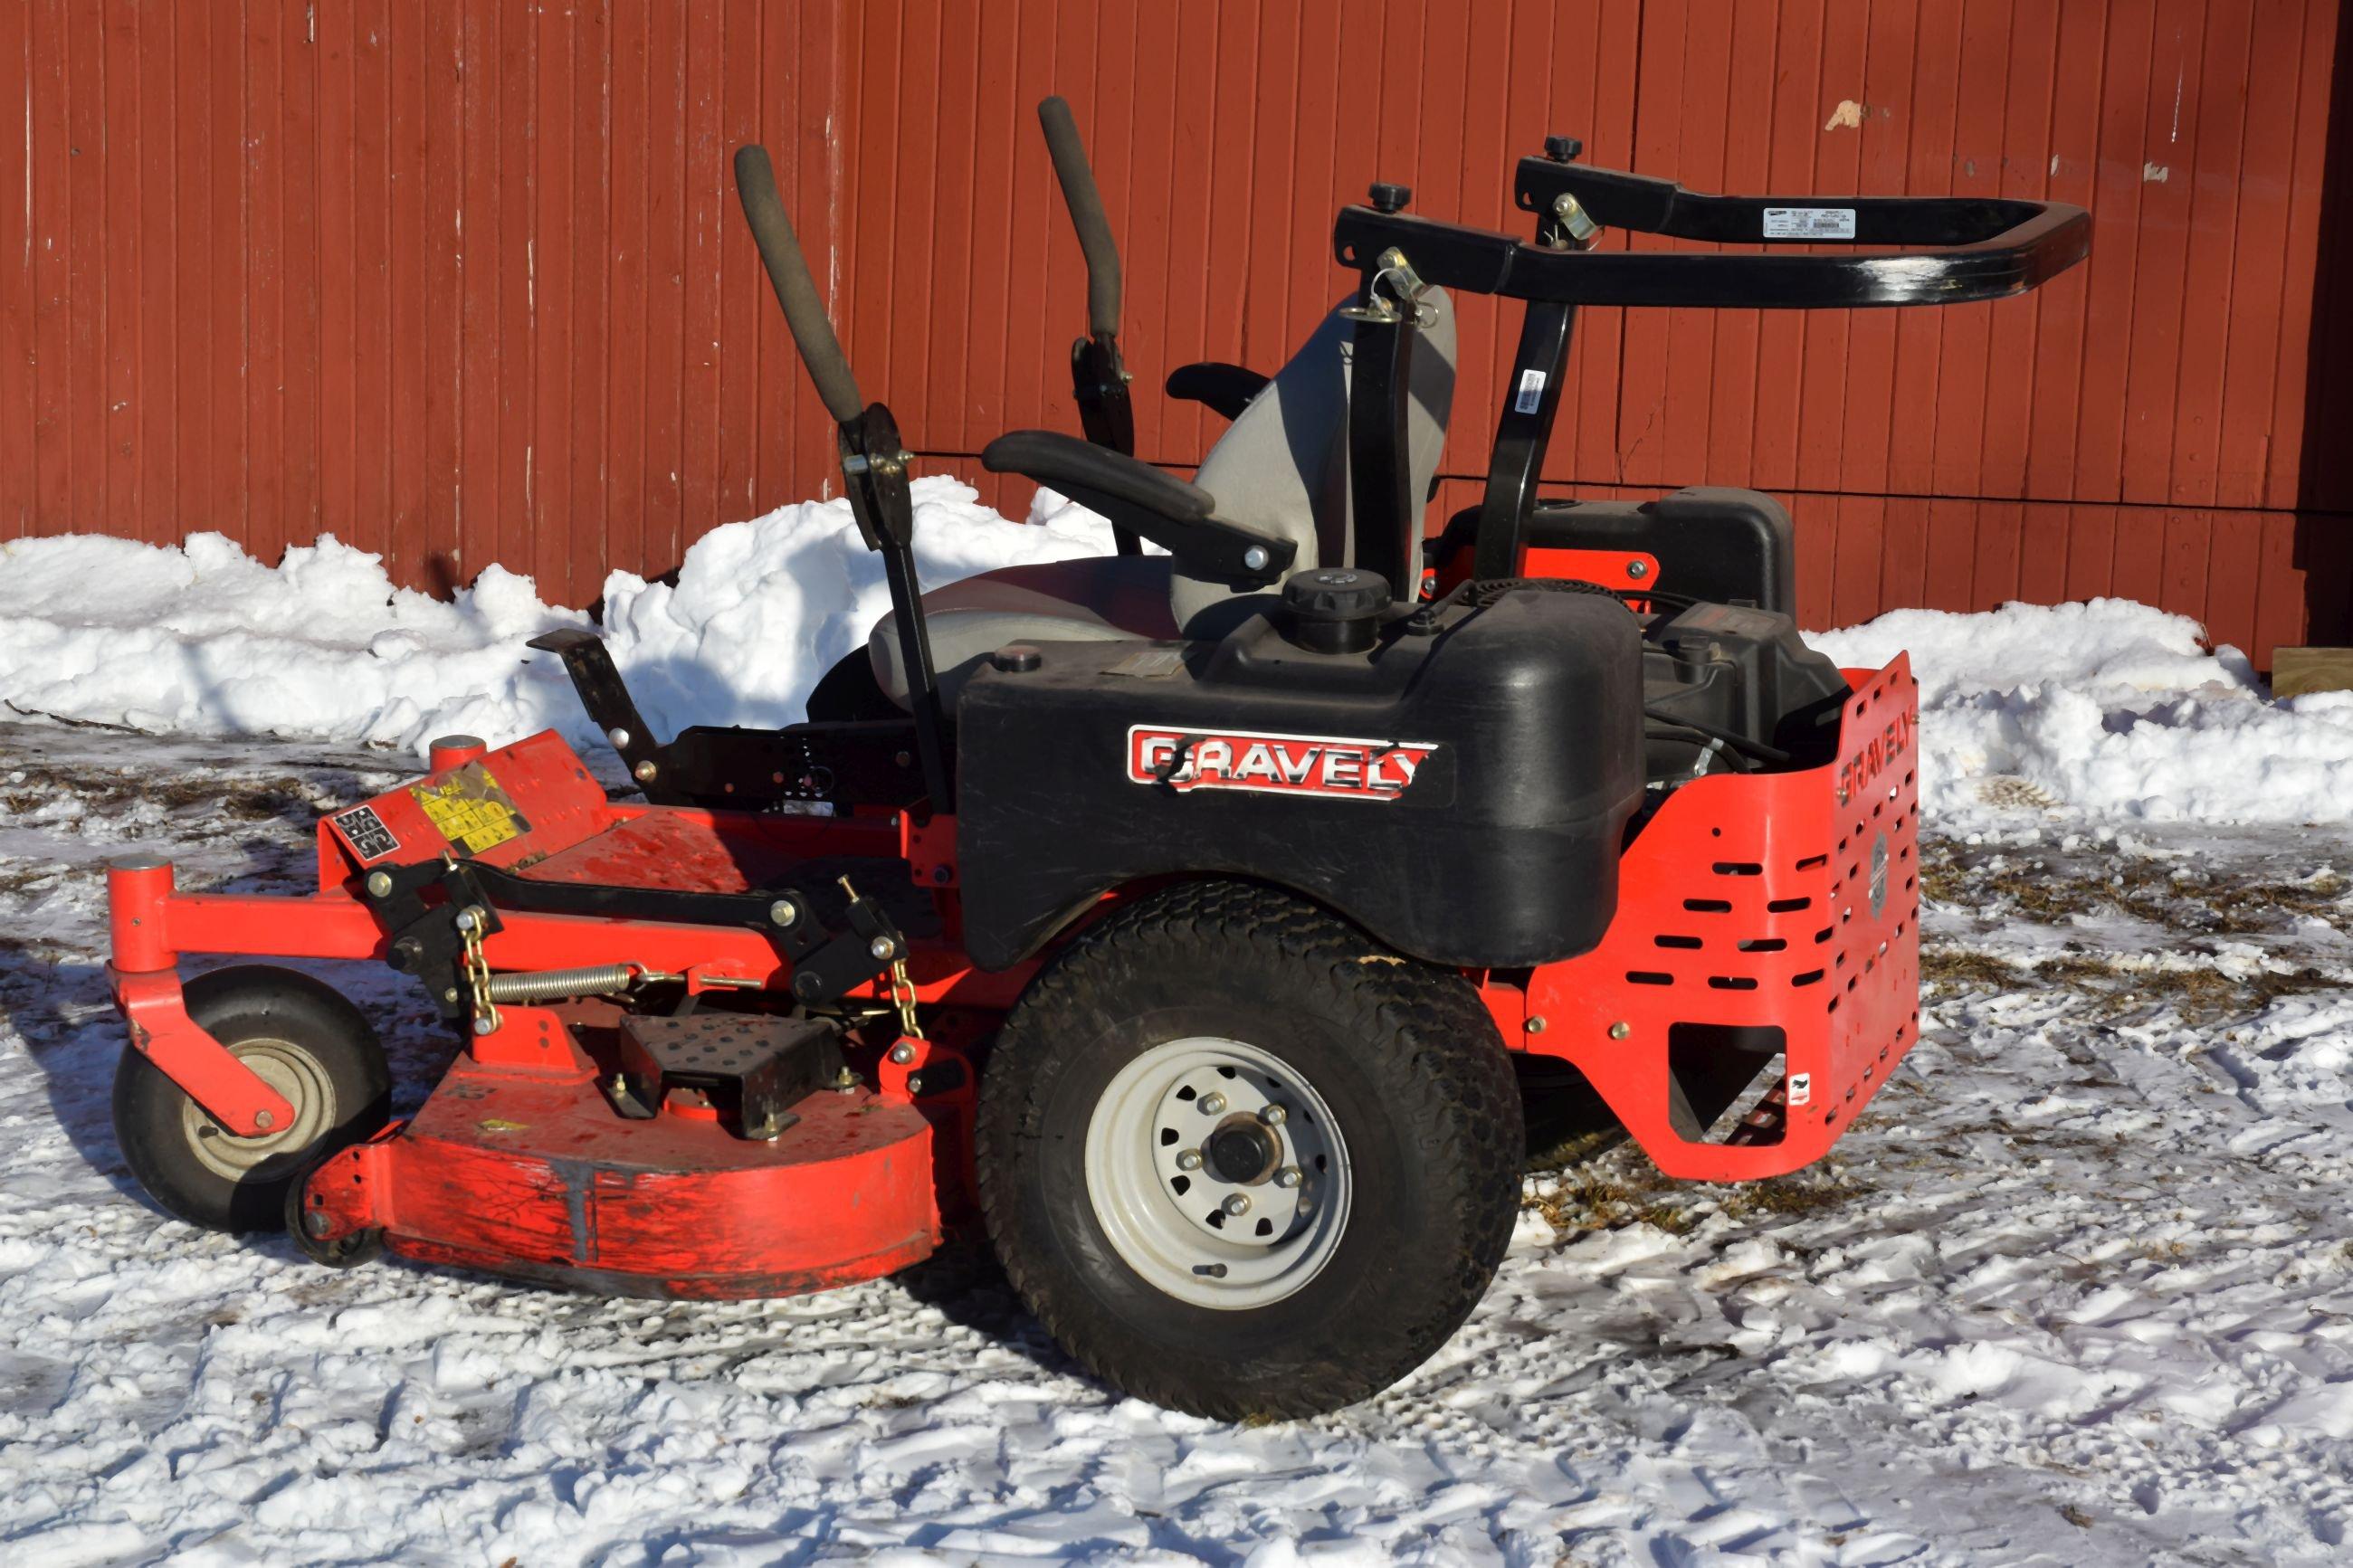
point(1330, 765)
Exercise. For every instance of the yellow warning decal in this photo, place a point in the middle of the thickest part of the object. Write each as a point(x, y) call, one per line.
point(470, 809)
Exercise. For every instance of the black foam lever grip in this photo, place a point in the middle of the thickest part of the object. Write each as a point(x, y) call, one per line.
point(1085, 202)
point(788, 274)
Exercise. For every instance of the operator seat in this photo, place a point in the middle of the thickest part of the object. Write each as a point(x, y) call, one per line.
point(1280, 469)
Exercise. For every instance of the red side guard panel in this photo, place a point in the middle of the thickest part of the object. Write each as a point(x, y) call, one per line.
point(533, 1175)
point(1786, 901)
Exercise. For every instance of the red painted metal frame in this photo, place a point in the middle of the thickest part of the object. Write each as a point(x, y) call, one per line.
point(161, 1030)
point(1788, 901)
point(517, 1163)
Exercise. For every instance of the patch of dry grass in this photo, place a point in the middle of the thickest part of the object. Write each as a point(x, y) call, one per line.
point(1594, 1199)
point(2179, 896)
point(104, 789)
point(2200, 996)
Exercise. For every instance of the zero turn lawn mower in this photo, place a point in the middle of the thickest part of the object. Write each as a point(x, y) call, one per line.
point(1185, 920)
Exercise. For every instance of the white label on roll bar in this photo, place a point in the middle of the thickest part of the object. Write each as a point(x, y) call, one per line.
point(1809, 223)
point(1530, 393)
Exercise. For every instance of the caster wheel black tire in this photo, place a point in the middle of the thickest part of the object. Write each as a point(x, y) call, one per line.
point(311, 1046)
point(349, 1251)
point(1243, 1161)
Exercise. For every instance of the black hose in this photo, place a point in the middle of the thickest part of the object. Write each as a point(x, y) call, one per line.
point(788, 274)
point(1079, 194)
point(1687, 734)
point(1742, 743)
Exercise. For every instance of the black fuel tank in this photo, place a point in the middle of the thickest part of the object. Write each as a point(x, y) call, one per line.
point(1462, 793)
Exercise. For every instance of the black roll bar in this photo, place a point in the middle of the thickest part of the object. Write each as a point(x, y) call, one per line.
point(1905, 250)
point(1947, 249)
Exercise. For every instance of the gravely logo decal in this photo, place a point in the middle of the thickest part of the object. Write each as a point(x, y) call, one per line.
point(1278, 764)
point(1874, 755)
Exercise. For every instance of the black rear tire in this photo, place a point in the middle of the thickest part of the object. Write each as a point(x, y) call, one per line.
point(315, 1043)
point(1415, 1077)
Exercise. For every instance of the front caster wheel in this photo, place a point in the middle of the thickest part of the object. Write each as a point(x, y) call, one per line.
point(1243, 1162)
point(308, 1042)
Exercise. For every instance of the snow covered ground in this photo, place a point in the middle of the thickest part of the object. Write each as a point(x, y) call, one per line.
point(2078, 1289)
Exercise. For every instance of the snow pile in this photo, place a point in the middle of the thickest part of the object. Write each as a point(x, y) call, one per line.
point(204, 639)
point(2110, 707)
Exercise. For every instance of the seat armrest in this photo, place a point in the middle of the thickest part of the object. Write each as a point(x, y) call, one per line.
point(1224, 389)
point(1180, 518)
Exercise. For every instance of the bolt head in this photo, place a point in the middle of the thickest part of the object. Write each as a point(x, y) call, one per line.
point(1255, 558)
point(783, 912)
point(619, 737)
point(1236, 1205)
point(903, 1053)
point(1289, 1176)
point(1213, 1105)
point(1620, 1030)
point(465, 920)
point(379, 884)
point(644, 772)
point(1190, 1159)
point(315, 1223)
point(1274, 1116)
point(1535, 1026)
point(881, 947)
point(1637, 570)
point(264, 1120)
point(483, 1025)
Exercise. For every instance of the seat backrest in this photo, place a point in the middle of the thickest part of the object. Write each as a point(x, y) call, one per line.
point(1282, 466)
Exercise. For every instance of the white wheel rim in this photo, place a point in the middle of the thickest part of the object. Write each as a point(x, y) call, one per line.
point(1227, 1231)
point(299, 1078)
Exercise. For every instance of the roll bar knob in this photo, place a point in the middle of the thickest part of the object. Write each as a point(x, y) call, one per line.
point(1390, 198)
point(1563, 149)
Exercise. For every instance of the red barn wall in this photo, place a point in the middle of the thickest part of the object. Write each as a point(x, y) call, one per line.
point(463, 282)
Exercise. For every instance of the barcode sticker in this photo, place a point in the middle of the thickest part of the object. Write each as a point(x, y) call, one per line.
point(1809, 223)
point(1530, 393)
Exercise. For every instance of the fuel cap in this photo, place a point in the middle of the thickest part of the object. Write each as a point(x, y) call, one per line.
point(1336, 609)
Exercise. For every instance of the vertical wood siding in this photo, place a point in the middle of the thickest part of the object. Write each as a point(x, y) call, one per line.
point(463, 282)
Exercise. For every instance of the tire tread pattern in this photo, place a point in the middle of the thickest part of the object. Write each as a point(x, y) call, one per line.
point(1429, 1021)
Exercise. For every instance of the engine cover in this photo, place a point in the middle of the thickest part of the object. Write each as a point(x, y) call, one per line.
point(1461, 789)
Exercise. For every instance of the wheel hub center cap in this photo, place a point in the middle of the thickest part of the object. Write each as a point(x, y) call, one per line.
point(1242, 1152)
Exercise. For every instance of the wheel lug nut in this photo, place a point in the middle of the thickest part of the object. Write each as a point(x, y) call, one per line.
point(1274, 1116)
point(1287, 1177)
point(1236, 1206)
point(1213, 1105)
point(1190, 1159)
